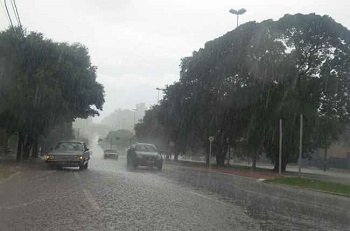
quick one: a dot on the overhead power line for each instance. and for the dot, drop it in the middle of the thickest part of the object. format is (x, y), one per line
(5, 13)
(8, 13)
(14, 18)
(14, 6)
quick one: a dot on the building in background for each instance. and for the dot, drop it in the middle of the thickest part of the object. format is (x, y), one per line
(125, 118)
(83, 129)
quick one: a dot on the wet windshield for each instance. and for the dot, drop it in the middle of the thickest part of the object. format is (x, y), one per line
(69, 147)
(110, 151)
(145, 148)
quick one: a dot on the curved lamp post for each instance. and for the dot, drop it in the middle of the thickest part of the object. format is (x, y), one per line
(238, 12)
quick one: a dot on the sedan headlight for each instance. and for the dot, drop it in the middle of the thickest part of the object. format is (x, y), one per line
(49, 157)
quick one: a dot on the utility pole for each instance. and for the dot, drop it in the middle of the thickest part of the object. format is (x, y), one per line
(211, 139)
(280, 151)
(228, 150)
(300, 144)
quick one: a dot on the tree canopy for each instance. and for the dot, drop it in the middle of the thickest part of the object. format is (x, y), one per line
(239, 85)
(44, 84)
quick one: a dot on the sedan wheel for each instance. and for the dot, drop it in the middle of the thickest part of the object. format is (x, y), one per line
(159, 167)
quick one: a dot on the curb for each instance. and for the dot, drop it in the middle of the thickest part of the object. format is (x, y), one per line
(10, 177)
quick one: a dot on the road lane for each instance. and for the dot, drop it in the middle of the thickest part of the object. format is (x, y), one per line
(108, 197)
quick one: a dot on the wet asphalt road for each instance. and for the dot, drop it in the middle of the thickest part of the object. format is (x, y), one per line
(109, 197)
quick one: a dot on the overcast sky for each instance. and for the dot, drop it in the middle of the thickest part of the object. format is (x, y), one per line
(137, 44)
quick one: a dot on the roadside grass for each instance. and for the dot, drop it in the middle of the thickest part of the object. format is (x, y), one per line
(232, 165)
(248, 168)
(329, 187)
(4, 172)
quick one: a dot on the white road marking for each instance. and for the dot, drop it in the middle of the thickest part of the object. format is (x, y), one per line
(209, 198)
(76, 175)
(88, 196)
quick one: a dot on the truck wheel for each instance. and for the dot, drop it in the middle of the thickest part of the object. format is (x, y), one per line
(86, 165)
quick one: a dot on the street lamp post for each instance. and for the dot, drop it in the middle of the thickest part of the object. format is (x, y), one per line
(238, 13)
(135, 110)
(159, 89)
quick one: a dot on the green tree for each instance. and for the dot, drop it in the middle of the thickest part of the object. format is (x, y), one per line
(239, 85)
(47, 84)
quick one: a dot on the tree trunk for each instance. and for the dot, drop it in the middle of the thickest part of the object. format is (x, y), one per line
(207, 157)
(35, 149)
(229, 157)
(19, 147)
(254, 157)
(283, 166)
(325, 161)
(176, 155)
(220, 159)
(27, 147)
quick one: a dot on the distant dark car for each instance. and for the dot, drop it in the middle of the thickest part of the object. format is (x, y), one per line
(69, 154)
(111, 153)
(141, 154)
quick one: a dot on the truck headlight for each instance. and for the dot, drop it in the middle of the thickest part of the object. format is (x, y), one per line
(81, 158)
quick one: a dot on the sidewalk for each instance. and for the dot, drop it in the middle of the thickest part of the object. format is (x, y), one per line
(333, 175)
(200, 166)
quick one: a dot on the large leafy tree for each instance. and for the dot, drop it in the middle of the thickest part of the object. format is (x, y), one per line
(239, 85)
(45, 84)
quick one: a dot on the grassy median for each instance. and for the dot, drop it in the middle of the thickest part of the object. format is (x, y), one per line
(324, 186)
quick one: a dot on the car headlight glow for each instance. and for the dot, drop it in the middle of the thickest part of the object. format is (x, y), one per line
(49, 157)
(81, 158)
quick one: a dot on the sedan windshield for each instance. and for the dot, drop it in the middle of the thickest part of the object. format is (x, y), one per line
(69, 147)
(110, 151)
(145, 148)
